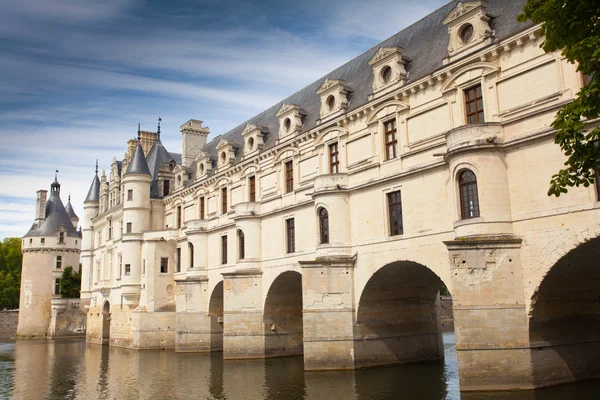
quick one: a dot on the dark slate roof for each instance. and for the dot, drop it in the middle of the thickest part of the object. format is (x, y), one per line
(425, 44)
(157, 157)
(138, 164)
(94, 192)
(70, 210)
(56, 217)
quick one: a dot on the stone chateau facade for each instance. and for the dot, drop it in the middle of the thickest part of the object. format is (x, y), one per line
(52, 243)
(326, 225)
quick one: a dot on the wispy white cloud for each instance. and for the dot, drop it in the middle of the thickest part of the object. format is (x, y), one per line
(77, 75)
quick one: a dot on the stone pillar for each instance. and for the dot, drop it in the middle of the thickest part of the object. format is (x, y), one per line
(193, 333)
(328, 315)
(243, 334)
(490, 320)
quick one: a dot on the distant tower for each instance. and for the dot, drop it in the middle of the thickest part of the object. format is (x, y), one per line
(91, 206)
(51, 244)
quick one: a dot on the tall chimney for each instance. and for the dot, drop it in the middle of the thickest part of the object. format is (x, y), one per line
(193, 140)
(40, 206)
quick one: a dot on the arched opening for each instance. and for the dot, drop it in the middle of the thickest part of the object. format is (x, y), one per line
(283, 316)
(215, 312)
(241, 245)
(469, 199)
(323, 225)
(106, 323)
(191, 254)
(399, 317)
(564, 320)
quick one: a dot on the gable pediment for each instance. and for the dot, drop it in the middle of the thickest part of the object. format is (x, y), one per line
(463, 9)
(384, 53)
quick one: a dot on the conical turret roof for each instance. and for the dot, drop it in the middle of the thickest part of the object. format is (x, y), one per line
(94, 192)
(70, 210)
(138, 164)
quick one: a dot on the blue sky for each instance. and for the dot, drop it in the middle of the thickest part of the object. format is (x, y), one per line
(76, 76)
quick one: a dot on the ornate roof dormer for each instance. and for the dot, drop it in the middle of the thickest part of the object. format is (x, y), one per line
(334, 98)
(254, 138)
(226, 153)
(203, 164)
(389, 70)
(291, 120)
(468, 27)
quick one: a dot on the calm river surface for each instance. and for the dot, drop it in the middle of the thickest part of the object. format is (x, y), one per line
(75, 370)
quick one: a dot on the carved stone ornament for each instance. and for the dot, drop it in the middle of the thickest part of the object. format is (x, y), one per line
(464, 20)
(291, 119)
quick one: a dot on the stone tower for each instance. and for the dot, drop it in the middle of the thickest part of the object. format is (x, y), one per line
(52, 243)
(90, 208)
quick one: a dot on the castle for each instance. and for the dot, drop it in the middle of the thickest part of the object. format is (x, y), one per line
(52, 243)
(326, 225)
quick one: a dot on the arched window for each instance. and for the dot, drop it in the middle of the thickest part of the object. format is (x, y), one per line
(241, 245)
(323, 225)
(191, 250)
(469, 200)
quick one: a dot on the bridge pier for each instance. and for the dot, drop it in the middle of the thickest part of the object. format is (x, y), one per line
(490, 320)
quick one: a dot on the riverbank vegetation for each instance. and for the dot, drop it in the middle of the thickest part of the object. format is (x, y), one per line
(10, 273)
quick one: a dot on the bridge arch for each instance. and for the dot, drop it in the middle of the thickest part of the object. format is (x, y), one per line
(215, 313)
(282, 316)
(398, 316)
(564, 313)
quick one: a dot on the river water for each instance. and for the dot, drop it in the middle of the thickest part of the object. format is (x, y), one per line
(72, 369)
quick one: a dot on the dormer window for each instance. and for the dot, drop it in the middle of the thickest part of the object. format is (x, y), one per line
(334, 98)
(204, 164)
(389, 70)
(226, 153)
(291, 120)
(254, 138)
(469, 29)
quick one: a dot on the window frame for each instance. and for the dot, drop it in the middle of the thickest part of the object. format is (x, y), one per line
(58, 264)
(61, 238)
(178, 260)
(241, 245)
(164, 265)
(191, 254)
(476, 113)
(334, 158)
(129, 194)
(394, 208)
(252, 188)
(290, 235)
(166, 187)
(202, 210)
(323, 227)
(224, 250)
(289, 176)
(224, 200)
(178, 210)
(127, 270)
(56, 286)
(393, 142)
(465, 194)
(128, 227)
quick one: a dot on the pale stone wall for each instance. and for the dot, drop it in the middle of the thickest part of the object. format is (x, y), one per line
(68, 318)
(8, 324)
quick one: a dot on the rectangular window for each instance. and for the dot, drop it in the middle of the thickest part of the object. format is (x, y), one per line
(43, 240)
(144, 266)
(61, 237)
(31, 241)
(57, 287)
(334, 161)
(129, 227)
(224, 249)
(201, 207)
(179, 217)
(58, 262)
(120, 259)
(109, 229)
(391, 142)
(290, 235)
(224, 201)
(127, 269)
(166, 187)
(474, 105)
(395, 213)
(130, 194)
(289, 176)
(252, 186)
(164, 265)
(179, 259)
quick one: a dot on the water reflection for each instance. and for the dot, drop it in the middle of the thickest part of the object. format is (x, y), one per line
(76, 370)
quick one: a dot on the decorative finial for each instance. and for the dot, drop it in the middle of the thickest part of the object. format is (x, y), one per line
(138, 132)
(96, 166)
(56, 175)
(158, 129)
(69, 197)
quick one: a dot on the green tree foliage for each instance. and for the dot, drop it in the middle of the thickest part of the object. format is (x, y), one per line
(573, 26)
(70, 283)
(10, 273)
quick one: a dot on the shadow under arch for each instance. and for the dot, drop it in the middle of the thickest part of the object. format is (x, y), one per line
(283, 316)
(564, 319)
(215, 312)
(106, 322)
(398, 316)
